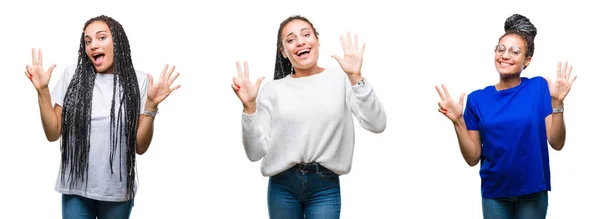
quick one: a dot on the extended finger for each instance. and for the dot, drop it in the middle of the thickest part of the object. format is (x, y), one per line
(349, 41)
(343, 42)
(568, 77)
(164, 71)
(39, 58)
(246, 71)
(172, 79)
(446, 92)
(33, 58)
(239, 69)
(558, 69)
(175, 88)
(564, 70)
(169, 73)
(355, 46)
(442, 96)
(573, 79)
(362, 50)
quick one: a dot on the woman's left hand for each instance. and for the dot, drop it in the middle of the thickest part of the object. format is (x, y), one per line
(561, 87)
(353, 57)
(157, 92)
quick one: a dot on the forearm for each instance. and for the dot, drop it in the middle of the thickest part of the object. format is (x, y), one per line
(145, 131)
(48, 115)
(469, 150)
(557, 134)
(371, 114)
(252, 137)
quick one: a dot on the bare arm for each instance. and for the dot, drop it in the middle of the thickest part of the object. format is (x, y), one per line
(469, 142)
(51, 117)
(145, 131)
(555, 129)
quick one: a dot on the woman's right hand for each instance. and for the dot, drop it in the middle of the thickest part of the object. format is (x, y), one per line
(35, 72)
(451, 109)
(245, 90)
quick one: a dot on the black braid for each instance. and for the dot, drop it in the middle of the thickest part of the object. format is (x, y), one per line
(283, 66)
(77, 111)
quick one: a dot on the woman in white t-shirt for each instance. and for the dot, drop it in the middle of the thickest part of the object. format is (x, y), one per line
(301, 124)
(103, 113)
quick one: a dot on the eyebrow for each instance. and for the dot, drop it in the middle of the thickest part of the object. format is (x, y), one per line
(97, 32)
(303, 29)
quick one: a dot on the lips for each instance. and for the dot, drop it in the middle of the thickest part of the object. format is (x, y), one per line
(303, 53)
(98, 58)
(505, 64)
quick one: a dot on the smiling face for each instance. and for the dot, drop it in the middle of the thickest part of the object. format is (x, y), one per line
(511, 55)
(99, 46)
(300, 44)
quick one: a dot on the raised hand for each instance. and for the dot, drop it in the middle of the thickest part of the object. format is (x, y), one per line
(353, 57)
(244, 89)
(157, 92)
(561, 87)
(35, 72)
(451, 109)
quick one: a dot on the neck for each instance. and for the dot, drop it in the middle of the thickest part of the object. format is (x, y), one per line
(108, 71)
(307, 72)
(509, 82)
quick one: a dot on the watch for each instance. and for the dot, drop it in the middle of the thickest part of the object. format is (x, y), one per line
(361, 82)
(558, 109)
(150, 113)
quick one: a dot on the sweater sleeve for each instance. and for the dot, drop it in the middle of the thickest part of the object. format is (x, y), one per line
(366, 107)
(256, 128)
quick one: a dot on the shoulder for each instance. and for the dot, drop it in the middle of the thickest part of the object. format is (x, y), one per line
(69, 71)
(537, 80)
(479, 93)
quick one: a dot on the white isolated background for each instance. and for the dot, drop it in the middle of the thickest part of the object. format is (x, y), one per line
(196, 166)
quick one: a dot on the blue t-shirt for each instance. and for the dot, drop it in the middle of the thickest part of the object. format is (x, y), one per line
(512, 127)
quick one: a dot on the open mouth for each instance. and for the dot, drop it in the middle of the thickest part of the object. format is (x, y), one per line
(303, 53)
(505, 64)
(98, 58)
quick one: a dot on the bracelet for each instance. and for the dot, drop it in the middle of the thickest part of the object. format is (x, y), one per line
(150, 113)
(558, 109)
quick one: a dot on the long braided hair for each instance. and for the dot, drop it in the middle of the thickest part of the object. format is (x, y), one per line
(77, 111)
(283, 66)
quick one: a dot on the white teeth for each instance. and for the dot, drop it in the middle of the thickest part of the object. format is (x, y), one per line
(301, 51)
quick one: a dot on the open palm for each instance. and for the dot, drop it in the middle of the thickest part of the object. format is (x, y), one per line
(244, 89)
(353, 57)
(35, 72)
(562, 85)
(159, 90)
(453, 110)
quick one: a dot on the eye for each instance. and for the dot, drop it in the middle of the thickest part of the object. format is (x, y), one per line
(87, 42)
(501, 50)
(290, 40)
(307, 35)
(516, 53)
(102, 38)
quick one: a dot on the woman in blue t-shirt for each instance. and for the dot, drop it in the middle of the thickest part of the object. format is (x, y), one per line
(508, 126)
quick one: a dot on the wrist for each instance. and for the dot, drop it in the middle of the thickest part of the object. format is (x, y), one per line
(42, 92)
(557, 103)
(150, 106)
(355, 78)
(250, 108)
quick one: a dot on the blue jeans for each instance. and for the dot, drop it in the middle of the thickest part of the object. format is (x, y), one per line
(78, 207)
(296, 194)
(532, 206)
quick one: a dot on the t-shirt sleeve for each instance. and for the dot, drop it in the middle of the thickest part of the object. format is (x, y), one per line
(546, 98)
(143, 85)
(60, 89)
(470, 114)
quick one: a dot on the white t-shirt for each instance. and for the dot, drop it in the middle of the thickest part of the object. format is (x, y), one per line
(101, 184)
(309, 119)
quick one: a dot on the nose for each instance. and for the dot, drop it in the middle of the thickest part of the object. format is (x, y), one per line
(300, 42)
(94, 45)
(506, 54)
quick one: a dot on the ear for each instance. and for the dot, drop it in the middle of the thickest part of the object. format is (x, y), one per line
(282, 50)
(527, 61)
